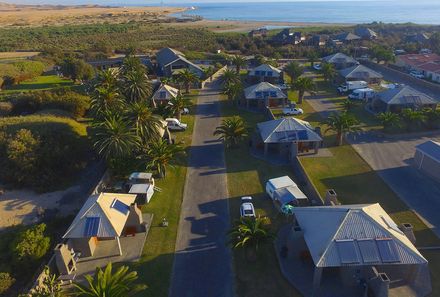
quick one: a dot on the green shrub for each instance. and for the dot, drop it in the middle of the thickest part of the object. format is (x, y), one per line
(6, 281)
(31, 244)
(5, 108)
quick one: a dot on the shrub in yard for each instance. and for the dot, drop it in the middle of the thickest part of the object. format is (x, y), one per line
(5, 108)
(6, 281)
(31, 244)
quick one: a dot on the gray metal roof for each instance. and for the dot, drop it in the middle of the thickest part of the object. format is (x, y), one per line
(339, 58)
(405, 95)
(365, 32)
(360, 72)
(168, 55)
(347, 36)
(355, 235)
(251, 92)
(287, 130)
(430, 148)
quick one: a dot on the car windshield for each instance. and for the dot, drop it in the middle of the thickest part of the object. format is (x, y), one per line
(248, 211)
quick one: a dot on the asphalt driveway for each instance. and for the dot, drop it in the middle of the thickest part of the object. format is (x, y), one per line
(202, 263)
(393, 159)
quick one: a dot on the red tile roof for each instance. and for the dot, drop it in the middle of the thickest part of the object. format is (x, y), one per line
(426, 62)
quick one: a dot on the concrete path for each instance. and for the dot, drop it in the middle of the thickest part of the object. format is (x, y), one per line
(393, 159)
(202, 263)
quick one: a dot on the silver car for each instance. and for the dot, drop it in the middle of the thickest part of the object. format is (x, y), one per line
(247, 208)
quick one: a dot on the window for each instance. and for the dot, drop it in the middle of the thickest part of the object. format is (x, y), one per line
(120, 206)
(266, 94)
(258, 94)
(273, 94)
(263, 73)
(269, 73)
(162, 94)
(91, 227)
(257, 72)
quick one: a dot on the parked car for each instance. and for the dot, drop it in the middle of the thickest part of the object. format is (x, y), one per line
(417, 74)
(362, 94)
(185, 111)
(247, 208)
(174, 124)
(292, 111)
(352, 85)
(317, 67)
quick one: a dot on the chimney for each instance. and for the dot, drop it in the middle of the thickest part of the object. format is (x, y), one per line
(331, 198)
(408, 230)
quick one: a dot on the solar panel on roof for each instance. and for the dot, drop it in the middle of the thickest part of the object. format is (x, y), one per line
(302, 135)
(347, 251)
(121, 207)
(388, 250)
(368, 250)
(92, 226)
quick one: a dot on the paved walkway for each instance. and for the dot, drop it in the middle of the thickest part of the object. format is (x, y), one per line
(202, 263)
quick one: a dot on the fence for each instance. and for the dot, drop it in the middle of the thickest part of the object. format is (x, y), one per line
(306, 183)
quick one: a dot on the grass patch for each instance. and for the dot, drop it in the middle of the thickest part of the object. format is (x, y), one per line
(156, 264)
(247, 175)
(44, 82)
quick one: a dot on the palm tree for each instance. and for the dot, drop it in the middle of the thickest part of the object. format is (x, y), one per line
(147, 125)
(176, 105)
(136, 86)
(107, 283)
(328, 71)
(348, 104)
(232, 131)
(114, 138)
(160, 154)
(250, 233)
(187, 77)
(106, 99)
(302, 85)
(229, 77)
(312, 56)
(207, 72)
(294, 70)
(233, 90)
(107, 78)
(432, 118)
(341, 124)
(413, 118)
(238, 62)
(388, 119)
(132, 64)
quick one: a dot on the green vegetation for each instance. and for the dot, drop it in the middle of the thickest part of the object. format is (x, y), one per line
(34, 149)
(39, 83)
(16, 72)
(232, 131)
(342, 123)
(160, 155)
(104, 283)
(302, 85)
(6, 281)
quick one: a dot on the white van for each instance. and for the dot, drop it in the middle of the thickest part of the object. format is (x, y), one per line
(174, 124)
(352, 85)
(362, 94)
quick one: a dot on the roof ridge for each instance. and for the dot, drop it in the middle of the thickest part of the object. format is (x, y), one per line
(107, 215)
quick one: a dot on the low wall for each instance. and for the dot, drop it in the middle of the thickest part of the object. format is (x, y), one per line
(306, 183)
(408, 79)
(212, 77)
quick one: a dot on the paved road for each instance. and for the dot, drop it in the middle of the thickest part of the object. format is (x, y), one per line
(392, 159)
(202, 263)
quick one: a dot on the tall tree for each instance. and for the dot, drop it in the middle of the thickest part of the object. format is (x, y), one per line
(328, 71)
(250, 233)
(342, 123)
(294, 70)
(176, 105)
(107, 78)
(115, 138)
(233, 90)
(228, 77)
(232, 131)
(238, 62)
(187, 77)
(136, 86)
(312, 56)
(413, 118)
(106, 99)
(121, 283)
(147, 125)
(302, 85)
(160, 154)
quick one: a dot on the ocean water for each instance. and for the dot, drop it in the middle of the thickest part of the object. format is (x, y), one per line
(389, 11)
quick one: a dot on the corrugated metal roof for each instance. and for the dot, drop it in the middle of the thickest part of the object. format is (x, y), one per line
(266, 67)
(339, 58)
(363, 225)
(287, 130)
(405, 95)
(360, 71)
(251, 92)
(430, 148)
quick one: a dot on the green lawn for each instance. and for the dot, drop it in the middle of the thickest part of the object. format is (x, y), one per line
(247, 175)
(155, 266)
(43, 82)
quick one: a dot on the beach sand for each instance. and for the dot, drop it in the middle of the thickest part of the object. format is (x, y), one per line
(31, 15)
